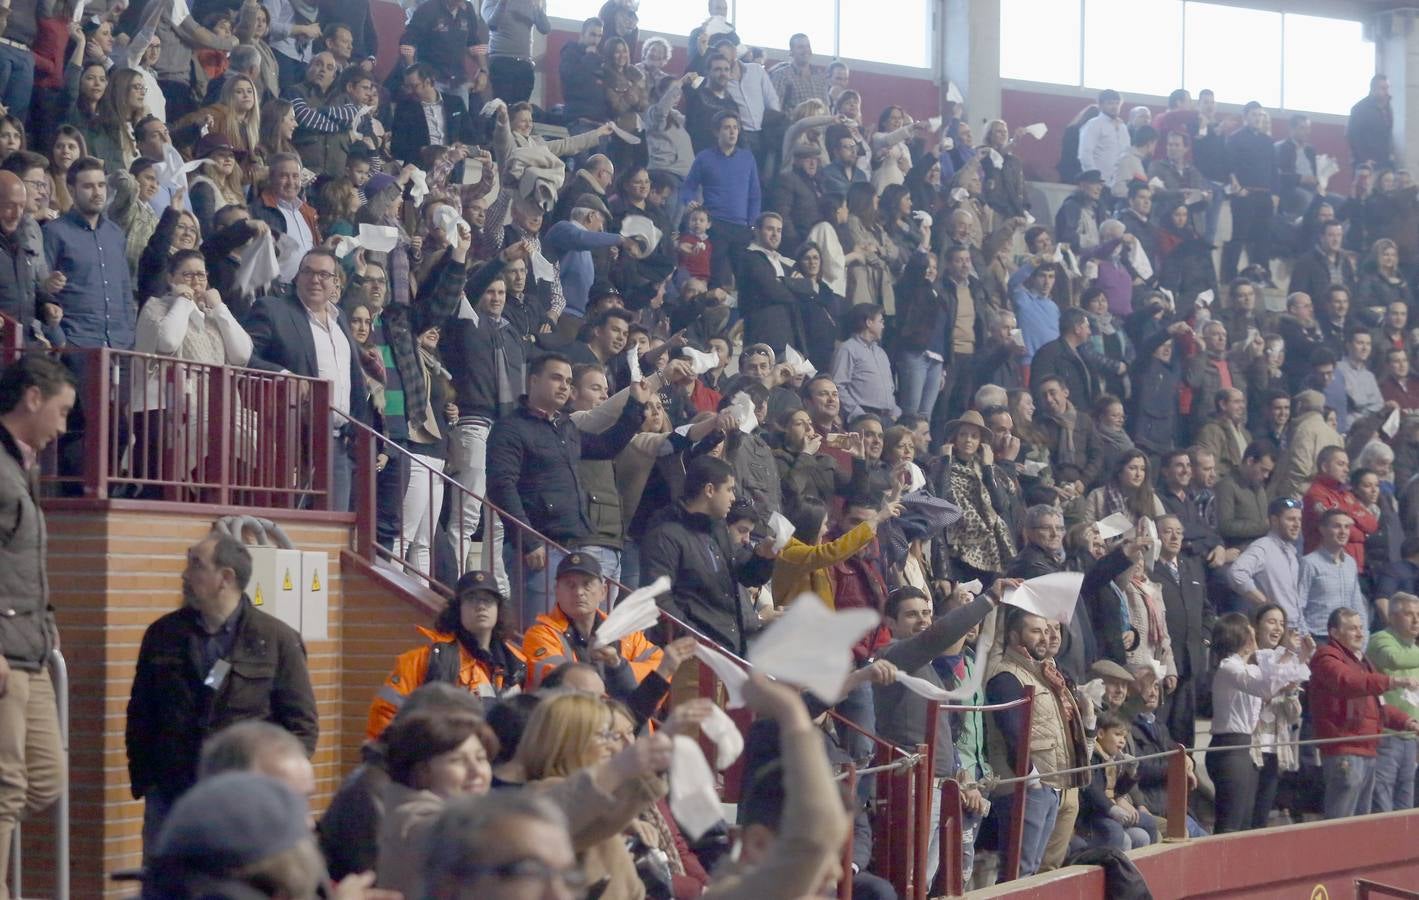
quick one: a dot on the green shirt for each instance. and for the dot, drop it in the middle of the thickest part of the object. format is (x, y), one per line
(1395, 656)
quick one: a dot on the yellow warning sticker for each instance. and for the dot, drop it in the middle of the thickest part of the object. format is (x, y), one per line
(315, 580)
(287, 585)
(258, 600)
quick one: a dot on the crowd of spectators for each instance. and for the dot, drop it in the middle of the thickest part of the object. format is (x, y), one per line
(685, 307)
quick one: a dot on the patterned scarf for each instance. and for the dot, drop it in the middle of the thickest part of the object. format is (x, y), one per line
(1055, 679)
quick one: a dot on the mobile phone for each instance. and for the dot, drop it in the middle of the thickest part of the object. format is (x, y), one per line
(839, 441)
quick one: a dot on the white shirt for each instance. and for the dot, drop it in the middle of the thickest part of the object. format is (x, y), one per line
(297, 228)
(1237, 690)
(433, 118)
(332, 356)
(1103, 142)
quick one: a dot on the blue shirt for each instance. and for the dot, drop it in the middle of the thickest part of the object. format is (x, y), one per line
(729, 185)
(572, 242)
(1327, 585)
(1038, 317)
(97, 299)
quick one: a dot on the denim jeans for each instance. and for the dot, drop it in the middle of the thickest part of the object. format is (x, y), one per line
(156, 806)
(1394, 774)
(423, 502)
(918, 383)
(468, 465)
(538, 588)
(342, 473)
(1349, 784)
(16, 80)
(1041, 809)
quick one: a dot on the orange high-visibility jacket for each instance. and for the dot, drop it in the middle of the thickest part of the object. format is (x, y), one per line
(412, 667)
(553, 640)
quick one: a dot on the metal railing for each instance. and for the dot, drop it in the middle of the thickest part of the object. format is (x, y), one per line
(162, 428)
(59, 674)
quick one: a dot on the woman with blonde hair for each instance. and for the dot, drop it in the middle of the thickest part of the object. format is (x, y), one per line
(1381, 280)
(567, 750)
(807, 122)
(219, 182)
(242, 122)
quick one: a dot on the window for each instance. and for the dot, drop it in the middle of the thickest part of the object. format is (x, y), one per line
(889, 31)
(671, 18)
(1235, 52)
(1282, 60)
(577, 10)
(1119, 54)
(770, 25)
(1328, 64)
(1039, 41)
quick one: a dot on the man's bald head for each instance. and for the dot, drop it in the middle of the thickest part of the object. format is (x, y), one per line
(13, 200)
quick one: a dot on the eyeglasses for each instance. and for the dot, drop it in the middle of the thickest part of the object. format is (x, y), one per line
(319, 276)
(1049, 529)
(190, 276)
(38, 184)
(528, 873)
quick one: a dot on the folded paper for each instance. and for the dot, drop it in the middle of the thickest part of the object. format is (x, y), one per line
(642, 228)
(1052, 596)
(1280, 667)
(1113, 526)
(972, 587)
(624, 135)
(1206, 298)
(725, 735)
(1391, 424)
(1037, 131)
(995, 158)
(798, 362)
(730, 674)
(1148, 531)
(700, 361)
(633, 363)
(693, 800)
(447, 220)
(542, 268)
(934, 123)
(637, 611)
(418, 186)
(811, 645)
(782, 530)
(374, 238)
(953, 93)
(1139, 260)
(743, 408)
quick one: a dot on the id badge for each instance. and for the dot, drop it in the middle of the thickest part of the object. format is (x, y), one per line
(217, 675)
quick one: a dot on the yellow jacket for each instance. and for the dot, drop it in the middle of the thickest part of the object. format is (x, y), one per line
(804, 567)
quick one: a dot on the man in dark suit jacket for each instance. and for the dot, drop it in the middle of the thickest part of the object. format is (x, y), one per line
(769, 295)
(1313, 272)
(1061, 359)
(1189, 616)
(284, 330)
(412, 113)
(1296, 163)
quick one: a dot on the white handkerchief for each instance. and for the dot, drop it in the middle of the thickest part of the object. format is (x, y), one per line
(79, 10)
(918, 479)
(1033, 467)
(1113, 526)
(1411, 696)
(1280, 667)
(729, 673)
(1052, 596)
(1206, 298)
(923, 218)
(1391, 424)
(1160, 671)
(782, 529)
(446, 219)
(376, 238)
(288, 257)
(1147, 529)
(960, 194)
(973, 586)
(995, 158)
(633, 363)
(472, 171)
(180, 12)
(1191, 195)
(934, 123)
(811, 645)
(1094, 690)
(948, 144)
(1017, 336)
(492, 106)
(697, 81)
(1029, 219)
(624, 135)
(542, 268)
(643, 228)
(924, 688)
(953, 93)
(419, 186)
(797, 362)
(728, 742)
(258, 267)
(1037, 130)
(637, 611)
(743, 408)
(693, 800)
(1156, 183)
(700, 361)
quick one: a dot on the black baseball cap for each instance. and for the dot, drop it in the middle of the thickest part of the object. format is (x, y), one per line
(584, 563)
(470, 582)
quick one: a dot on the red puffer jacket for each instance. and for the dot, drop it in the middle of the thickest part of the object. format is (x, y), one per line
(1327, 493)
(1345, 701)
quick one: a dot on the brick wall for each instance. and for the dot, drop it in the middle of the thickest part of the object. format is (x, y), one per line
(112, 572)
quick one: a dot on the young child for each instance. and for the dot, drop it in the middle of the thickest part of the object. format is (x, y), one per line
(694, 246)
(214, 62)
(1105, 809)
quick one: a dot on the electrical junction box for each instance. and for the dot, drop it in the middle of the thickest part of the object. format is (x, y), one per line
(276, 582)
(315, 596)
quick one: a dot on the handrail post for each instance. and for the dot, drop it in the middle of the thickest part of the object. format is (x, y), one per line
(1016, 835)
(364, 475)
(97, 424)
(1177, 795)
(223, 429)
(324, 447)
(951, 838)
(921, 820)
(845, 883)
(59, 673)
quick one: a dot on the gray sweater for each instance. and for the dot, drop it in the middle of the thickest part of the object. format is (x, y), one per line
(510, 24)
(1241, 510)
